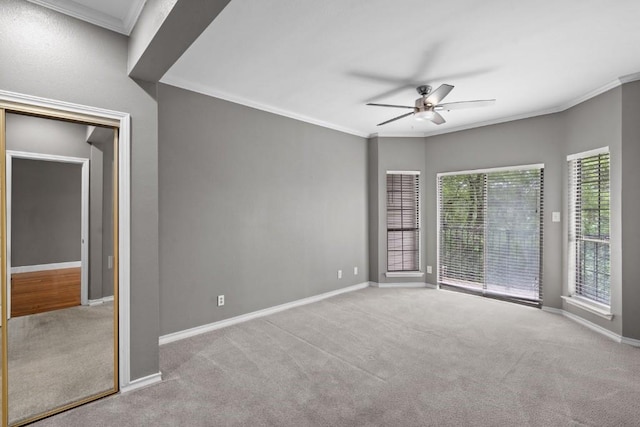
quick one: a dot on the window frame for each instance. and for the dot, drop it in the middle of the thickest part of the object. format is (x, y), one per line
(575, 297)
(405, 273)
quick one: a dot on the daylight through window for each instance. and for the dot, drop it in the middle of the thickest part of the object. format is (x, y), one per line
(589, 233)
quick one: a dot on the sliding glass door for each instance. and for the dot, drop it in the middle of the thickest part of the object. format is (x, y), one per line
(490, 231)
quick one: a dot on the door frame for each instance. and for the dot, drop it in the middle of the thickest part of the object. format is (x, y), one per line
(84, 209)
(43, 107)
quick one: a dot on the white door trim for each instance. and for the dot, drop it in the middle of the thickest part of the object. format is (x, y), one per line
(124, 214)
(84, 222)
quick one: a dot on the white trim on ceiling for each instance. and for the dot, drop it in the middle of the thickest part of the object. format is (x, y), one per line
(132, 17)
(206, 90)
(84, 13)
(558, 109)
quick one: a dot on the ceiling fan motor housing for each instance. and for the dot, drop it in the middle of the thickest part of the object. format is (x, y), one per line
(421, 104)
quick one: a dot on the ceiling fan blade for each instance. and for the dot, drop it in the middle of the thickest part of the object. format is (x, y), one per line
(465, 104)
(437, 118)
(438, 95)
(390, 105)
(396, 118)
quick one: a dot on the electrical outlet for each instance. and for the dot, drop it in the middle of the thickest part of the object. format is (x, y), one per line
(429, 269)
(339, 274)
(109, 262)
(220, 300)
(355, 271)
(555, 217)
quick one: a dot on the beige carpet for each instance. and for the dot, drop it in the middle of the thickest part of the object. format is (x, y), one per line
(387, 357)
(59, 357)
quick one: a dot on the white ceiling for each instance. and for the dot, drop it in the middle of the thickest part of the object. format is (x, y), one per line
(321, 61)
(116, 15)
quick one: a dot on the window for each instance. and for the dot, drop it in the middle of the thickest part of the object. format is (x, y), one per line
(589, 213)
(403, 221)
(490, 231)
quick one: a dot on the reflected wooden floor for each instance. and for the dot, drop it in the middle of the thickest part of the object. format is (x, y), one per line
(41, 291)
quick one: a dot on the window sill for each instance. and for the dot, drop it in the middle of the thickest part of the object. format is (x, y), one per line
(592, 307)
(404, 274)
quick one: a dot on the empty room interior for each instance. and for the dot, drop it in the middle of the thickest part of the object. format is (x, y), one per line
(336, 213)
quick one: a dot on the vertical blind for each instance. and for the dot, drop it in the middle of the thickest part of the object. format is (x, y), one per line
(403, 222)
(490, 231)
(589, 235)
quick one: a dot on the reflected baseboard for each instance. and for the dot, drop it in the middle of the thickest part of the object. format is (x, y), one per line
(45, 267)
(142, 382)
(99, 301)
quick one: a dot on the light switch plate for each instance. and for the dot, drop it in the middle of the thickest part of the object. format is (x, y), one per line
(555, 216)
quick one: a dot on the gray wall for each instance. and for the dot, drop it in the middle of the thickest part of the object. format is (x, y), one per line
(95, 223)
(400, 154)
(258, 207)
(583, 133)
(373, 201)
(46, 211)
(54, 56)
(630, 210)
(46, 136)
(522, 142)
(101, 219)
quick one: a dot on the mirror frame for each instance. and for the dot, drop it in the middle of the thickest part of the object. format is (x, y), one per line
(120, 123)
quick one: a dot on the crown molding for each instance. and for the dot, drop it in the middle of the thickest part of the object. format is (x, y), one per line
(206, 90)
(132, 17)
(558, 109)
(101, 19)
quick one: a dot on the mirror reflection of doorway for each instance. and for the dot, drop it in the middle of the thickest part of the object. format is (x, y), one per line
(61, 309)
(47, 205)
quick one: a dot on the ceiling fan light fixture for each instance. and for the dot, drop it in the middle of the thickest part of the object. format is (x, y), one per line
(424, 115)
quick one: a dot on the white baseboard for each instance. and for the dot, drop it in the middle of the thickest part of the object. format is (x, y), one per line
(553, 310)
(142, 382)
(99, 301)
(45, 267)
(631, 341)
(176, 336)
(596, 328)
(403, 285)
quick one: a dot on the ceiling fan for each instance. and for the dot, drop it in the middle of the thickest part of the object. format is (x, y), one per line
(427, 106)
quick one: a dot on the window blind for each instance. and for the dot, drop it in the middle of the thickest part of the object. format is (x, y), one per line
(589, 193)
(490, 232)
(462, 212)
(403, 222)
(513, 239)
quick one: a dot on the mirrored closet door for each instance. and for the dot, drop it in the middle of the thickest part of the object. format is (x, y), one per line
(59, 263)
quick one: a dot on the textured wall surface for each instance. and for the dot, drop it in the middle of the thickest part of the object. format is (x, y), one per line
(255, 206)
